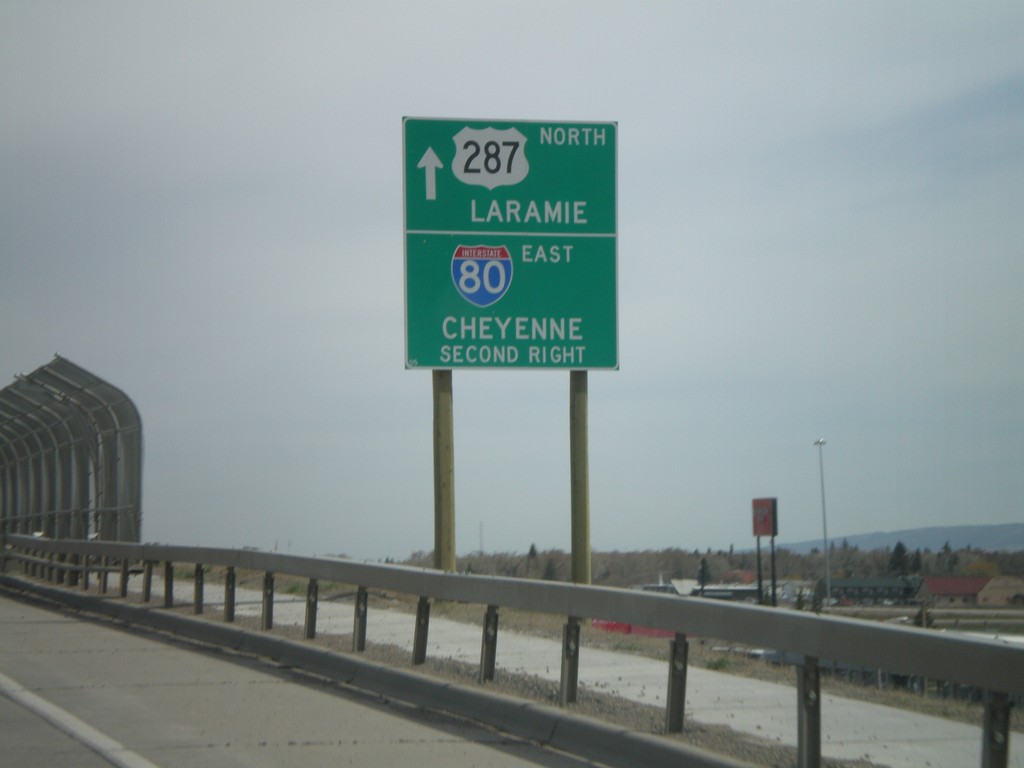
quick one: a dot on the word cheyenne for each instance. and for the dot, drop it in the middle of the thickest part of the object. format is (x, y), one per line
(548, 335)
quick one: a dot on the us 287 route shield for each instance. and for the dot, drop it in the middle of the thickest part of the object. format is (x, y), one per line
(510, 244)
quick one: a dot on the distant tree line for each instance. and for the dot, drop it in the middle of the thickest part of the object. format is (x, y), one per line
(628, 569)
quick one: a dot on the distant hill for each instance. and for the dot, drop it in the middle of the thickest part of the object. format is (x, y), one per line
(1008, 538)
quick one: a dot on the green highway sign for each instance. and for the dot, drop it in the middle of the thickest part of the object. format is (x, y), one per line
(510, 244)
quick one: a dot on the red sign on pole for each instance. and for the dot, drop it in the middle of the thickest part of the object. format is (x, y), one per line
(766, 519)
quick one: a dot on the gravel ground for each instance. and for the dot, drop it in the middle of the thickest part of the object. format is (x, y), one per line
(613, 709)
(734, 660)
(591, 703)
(622, 712)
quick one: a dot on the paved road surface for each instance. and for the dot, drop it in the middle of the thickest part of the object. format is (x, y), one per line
(850, 729)
(78, 694)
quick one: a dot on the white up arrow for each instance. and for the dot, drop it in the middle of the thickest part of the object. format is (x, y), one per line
(430, 163)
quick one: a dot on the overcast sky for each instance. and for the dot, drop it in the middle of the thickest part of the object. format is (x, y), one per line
(821, 234)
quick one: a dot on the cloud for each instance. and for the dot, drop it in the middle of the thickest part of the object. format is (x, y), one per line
(818, 234)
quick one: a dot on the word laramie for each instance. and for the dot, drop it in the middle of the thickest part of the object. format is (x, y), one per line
(512, 328)
(529, 212)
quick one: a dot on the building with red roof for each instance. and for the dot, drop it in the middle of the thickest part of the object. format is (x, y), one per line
(950, 590)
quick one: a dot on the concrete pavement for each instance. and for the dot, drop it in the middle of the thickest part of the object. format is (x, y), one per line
(850, 729)
(82, 694)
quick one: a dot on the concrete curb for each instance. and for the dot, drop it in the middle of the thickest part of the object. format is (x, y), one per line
(556, 728)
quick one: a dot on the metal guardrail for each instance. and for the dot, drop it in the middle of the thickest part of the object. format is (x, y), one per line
(995, 667)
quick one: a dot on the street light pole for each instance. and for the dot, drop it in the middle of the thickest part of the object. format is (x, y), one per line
(820, 442)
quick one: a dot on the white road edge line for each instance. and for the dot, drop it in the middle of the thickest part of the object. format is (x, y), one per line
(103, 745)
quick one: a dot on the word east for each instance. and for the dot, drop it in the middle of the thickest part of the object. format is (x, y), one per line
(552, 254)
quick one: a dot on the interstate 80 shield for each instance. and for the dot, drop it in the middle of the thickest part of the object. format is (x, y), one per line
(482, 273)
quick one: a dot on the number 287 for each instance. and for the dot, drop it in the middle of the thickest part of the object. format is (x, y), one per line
(489, 157)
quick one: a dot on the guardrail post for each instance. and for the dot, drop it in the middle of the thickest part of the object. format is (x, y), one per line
(267, 619)
(147, 581)
(679, 651)
(419, 641)
(168, 584)
(104, 571)
(808, 691)
(995, 738)
(570, 661)
(359, 621)
(197, 590)
(312, 593)
(489, 644)
(72, 578)
(229, 594)
(123, 586)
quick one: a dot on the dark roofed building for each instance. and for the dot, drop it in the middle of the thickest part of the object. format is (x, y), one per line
(898, 590)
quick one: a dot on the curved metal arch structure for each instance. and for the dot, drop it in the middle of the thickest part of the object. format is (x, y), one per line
(70, 456)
